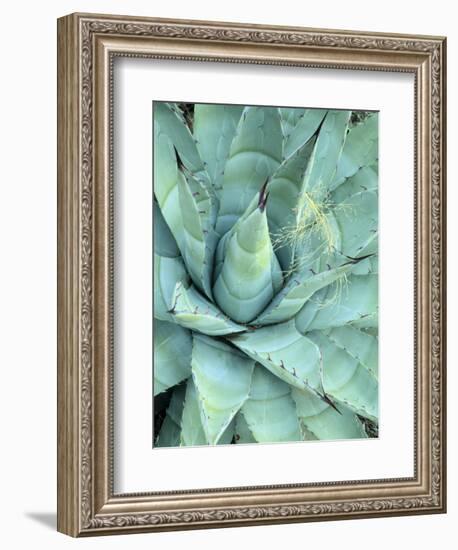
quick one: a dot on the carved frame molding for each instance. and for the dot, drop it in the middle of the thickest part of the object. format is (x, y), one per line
(87, 45)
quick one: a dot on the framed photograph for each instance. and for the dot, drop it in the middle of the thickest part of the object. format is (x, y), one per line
(251, 290)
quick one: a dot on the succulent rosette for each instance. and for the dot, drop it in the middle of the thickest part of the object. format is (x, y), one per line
(265, 274)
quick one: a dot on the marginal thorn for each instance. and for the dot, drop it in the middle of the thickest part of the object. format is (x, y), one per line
(329, 401)
(263, 195)
(179, 161)
(360, 257)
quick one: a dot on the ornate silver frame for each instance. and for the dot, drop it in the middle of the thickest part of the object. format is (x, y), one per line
(87, 45)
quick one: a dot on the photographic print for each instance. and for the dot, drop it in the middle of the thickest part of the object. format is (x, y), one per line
(265, 274)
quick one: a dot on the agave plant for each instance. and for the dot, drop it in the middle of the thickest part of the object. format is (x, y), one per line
(265, 274)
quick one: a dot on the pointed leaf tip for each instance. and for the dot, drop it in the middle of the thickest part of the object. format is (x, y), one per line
(180, 164)
(263, 196)
(330, 402)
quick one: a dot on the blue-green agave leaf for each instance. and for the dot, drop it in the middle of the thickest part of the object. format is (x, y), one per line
(314, 248)
(312, 307)
(170, 120)
(167, 273)
(321, 421)
(286, 353)
(357, 220)
(326, 154)
(172, 355)
(345, 379)
(198, 212)
(222, 243)
(270, 412)
(313, 226)
(361, 149)
(353, 302)
(373, 331)
(359, 344)
(166, 183)
(243, 433)
(349, 231)
(214, 130)
(289, 117)
(284, 188)
(164, 243)
(222, 377)
(250, 274)
(191, 310)
(170, 432)
(366, 266)
(192, 431)
(220, 254)
(300, 287)
(303, 130)
(228, 435)
(255, 153)
(365, 179)
(366, 321)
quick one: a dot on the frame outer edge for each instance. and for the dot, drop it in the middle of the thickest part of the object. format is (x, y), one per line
(443, 281)
(224, 24)
(76, 420)
(68, 374)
